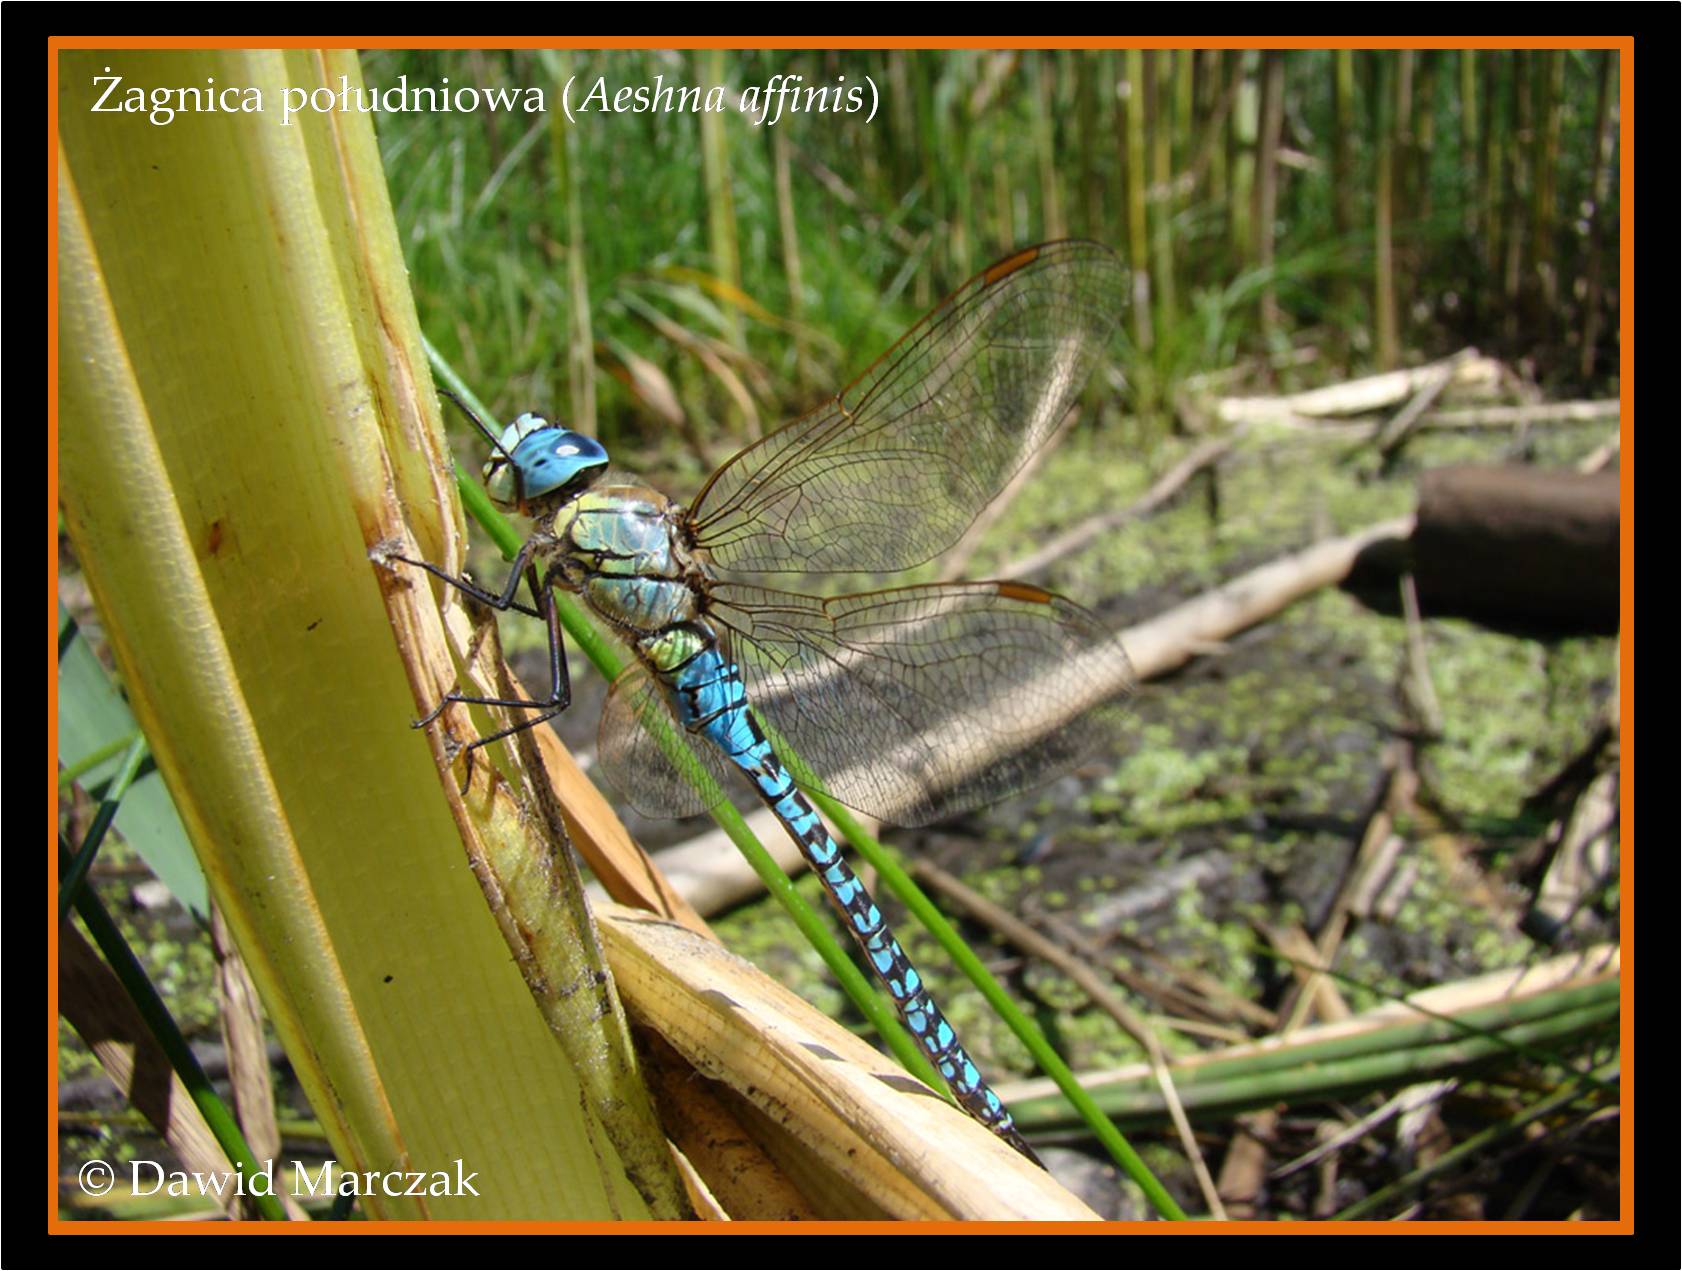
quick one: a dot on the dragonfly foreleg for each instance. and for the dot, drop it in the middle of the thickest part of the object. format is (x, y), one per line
(502, 602)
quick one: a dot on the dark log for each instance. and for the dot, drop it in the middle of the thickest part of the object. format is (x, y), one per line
(1519, 545)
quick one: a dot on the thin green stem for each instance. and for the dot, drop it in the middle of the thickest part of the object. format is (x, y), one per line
(1050, 1062)
(88, 763)
(71, 884)
(1339, 1068)
(1469, 1024)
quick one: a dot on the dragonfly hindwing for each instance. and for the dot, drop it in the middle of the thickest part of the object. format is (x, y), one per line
(918, 703)
(660, 768)
(896, 466)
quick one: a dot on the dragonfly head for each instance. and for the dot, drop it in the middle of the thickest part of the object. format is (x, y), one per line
(537, 462)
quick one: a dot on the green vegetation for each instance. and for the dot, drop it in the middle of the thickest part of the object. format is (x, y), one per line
(734, 271)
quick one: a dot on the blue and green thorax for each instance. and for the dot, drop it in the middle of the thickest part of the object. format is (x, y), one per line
(619, 547)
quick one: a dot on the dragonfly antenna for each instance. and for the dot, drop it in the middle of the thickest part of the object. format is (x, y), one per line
(478, 423)
(496, 442)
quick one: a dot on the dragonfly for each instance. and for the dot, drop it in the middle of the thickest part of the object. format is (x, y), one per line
(909, 703)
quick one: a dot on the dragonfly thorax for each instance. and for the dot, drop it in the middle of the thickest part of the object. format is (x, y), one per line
(537, 462)
(618, 547)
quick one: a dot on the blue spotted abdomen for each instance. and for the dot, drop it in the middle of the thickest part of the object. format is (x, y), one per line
(709, 698)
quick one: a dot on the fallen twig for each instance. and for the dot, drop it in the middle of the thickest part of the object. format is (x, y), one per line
(1179, 1007)
(1371, 863)
(1394, 434)
(1360, 396)
(1583, 858)
(1418, 691)
(1403, 1101)
(1521, 416)
(1172, 639)
(1600, 456)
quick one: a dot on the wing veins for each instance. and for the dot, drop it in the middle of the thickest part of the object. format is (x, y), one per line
(965, 379)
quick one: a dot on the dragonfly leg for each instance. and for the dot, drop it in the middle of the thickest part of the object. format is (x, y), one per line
(501, 602)
(560, 683)
(560, 686)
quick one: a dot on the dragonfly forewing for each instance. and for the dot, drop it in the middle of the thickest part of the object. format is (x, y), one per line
(897, 466)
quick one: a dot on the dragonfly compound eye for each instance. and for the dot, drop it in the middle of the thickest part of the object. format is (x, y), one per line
(536, 458)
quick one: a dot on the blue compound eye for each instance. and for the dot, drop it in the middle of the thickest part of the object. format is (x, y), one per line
(546, 458)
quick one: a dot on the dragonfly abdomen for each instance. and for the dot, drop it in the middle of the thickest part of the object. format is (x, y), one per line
(711, 699)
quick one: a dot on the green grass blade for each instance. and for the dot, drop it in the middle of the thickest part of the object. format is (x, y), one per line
(95, 726)
(77, 870)
(133, 977)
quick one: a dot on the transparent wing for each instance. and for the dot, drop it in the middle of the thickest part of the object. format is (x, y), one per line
(893, 470)
(638, 766)
(918, 703)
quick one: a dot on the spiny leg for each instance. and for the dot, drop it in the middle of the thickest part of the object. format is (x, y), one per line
(560, 681)
(501, 602)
